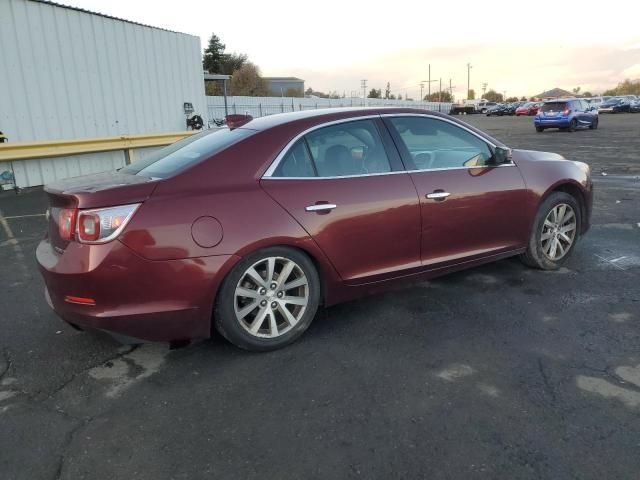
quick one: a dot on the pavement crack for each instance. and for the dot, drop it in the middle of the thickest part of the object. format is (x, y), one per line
(7, 364)
(65, 446)
(86, 369)
(547, 383)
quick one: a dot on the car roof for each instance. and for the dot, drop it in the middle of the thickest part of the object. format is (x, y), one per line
(327, 114)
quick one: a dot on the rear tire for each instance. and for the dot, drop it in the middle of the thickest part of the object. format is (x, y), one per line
(573, 124)
(279, 315)
(540, 251)
(594, 125)
(539, 129)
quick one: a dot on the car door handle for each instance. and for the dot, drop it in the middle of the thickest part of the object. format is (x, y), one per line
(320, 207)
(438, 195)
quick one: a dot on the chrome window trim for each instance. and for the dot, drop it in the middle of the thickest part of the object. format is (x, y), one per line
(274, 165)
(268, 175)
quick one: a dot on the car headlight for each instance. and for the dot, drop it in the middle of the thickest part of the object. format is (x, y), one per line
(584, 167)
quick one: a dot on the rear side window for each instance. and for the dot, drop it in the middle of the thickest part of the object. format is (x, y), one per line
(345, 149)
(186, 152)
(554, 107)
(296, 163)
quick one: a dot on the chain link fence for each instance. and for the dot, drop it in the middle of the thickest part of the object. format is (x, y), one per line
(262, 106)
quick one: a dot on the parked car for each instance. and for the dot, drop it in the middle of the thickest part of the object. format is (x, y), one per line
(595, 101)
(634, 106)
(497, 110)
(615, 105)
(529, 108)
(568, 115)
(483, 106)
(248, 230)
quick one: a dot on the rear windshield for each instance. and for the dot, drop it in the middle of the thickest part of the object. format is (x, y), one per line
(186, 152)
(554, 107)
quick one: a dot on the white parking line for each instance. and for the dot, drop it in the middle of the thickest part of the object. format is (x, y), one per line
(17, 249)
(26, 216)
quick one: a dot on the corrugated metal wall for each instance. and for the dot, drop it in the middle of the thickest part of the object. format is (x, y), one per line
(68, 74)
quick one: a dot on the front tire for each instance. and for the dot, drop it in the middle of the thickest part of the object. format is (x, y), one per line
(573, 124)
(555, 232)
(268, 299)
(539, 129)
(594, 125)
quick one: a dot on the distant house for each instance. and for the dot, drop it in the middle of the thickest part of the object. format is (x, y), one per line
(554, 94)
(285, 86)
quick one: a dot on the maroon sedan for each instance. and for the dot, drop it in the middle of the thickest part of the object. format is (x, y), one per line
(249, 230)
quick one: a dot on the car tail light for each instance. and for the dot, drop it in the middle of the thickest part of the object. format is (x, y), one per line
(67, 222)
(103, 224)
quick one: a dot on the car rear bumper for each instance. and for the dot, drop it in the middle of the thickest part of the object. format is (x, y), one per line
(607, 110)
(560, 122)
(147, 300)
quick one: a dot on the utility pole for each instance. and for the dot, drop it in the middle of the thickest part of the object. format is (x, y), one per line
(440, 91)
(363, 85)
(421, 89)
(469, 67)
(484, 88)
(429, 94)
(504, 95)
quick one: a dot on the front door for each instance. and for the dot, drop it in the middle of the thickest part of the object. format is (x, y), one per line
(348, 191)
(469, 208)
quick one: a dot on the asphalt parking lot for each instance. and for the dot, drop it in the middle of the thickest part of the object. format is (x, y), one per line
(496, 372)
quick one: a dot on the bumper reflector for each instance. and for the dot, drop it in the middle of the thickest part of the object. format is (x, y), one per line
(79, 300)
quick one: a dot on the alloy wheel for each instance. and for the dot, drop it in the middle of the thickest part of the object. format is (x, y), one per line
(558, 231)
(271, 297)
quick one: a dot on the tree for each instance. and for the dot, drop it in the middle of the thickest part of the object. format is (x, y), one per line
(443, 96)
(211, 60)
(387, 91)
(472, 94)
(511, 99)
(493, 96)
(392, 97)
(231, 62)
(576, 90)
(587, 94)
(628, 87)
(399, 96)
(308, 91)
(373, 93)
(247, 81)
(293, 92)
(523, 99)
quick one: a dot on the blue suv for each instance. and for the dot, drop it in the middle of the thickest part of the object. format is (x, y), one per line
(567, 115)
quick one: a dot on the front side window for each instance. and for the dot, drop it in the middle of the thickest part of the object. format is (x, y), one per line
(435, 144)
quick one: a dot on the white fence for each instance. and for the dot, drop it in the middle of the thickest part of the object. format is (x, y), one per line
(261, 106)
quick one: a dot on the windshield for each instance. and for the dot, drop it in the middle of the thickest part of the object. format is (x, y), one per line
(613, 101)
(186, 152)
(554, 107)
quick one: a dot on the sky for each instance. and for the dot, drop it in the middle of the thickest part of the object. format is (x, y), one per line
(518, 47)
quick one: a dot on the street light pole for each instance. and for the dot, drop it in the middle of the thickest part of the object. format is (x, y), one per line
(429, 94)
(469, 67)
(363, 85)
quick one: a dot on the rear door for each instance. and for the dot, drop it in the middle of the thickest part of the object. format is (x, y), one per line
(348, 190)
(469, 208)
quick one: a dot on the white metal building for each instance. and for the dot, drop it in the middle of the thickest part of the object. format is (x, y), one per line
(67, 73)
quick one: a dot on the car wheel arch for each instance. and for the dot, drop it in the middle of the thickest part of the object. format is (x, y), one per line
(571, 188)
(324, 276)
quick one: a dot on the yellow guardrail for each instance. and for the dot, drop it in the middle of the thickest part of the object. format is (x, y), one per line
(63, 148)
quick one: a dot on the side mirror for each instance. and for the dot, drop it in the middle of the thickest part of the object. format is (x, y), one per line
(501, 155)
